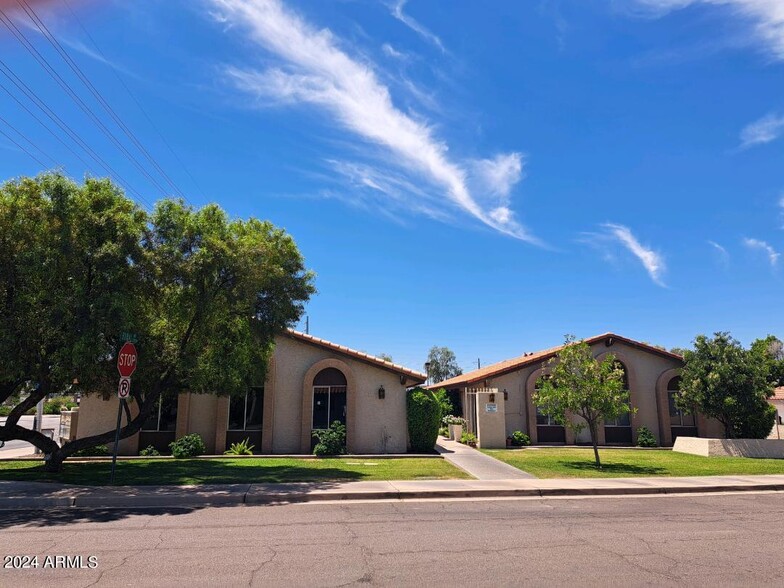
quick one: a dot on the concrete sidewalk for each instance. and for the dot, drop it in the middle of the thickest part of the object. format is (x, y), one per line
(476, 463)
(42, 495)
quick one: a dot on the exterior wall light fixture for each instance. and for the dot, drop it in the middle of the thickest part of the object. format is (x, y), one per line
(506, 394)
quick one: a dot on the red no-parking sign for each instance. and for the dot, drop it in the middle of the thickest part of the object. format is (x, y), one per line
(127, 359)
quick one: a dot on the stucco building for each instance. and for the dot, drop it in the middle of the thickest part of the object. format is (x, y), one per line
(310, 383)
(652, 377)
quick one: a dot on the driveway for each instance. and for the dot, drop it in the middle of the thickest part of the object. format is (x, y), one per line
(21, 448)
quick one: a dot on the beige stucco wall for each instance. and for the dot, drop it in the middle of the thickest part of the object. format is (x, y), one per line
(647, 372)
(379, 426)
(202, 418)
(97, 416)
(375, 425)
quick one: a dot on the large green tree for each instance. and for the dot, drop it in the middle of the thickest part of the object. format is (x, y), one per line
(442, 364)
(576, 383)
(724, 381)
(203, 295)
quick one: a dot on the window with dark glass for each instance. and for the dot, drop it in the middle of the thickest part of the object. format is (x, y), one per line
(165, 417)
(678, 418)
(542, 418)
(329, 398)
(625, 419)
(247, 412)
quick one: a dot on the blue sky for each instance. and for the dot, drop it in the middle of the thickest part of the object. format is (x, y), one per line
(485, 176)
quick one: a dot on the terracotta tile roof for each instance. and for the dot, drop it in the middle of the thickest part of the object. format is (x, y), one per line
(418, 377)
(778, 394)
(511, 365)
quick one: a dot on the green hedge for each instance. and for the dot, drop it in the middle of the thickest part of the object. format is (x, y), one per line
(424, 419)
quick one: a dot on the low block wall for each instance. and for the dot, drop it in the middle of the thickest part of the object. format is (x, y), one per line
(760, 448)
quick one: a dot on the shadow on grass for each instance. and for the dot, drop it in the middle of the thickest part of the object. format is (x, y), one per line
(615, 468)
(179, 472)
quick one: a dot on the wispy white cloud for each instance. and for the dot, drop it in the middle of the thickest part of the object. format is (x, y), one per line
(397, 11)
(315, 69)
(768, 250)
(724, 255)
(652, 261)
(766, 18)
(765, 130)
(390, 51)
(781, 210)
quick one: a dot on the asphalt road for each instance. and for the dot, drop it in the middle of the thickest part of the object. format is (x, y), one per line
(712, 540)
(18, 448)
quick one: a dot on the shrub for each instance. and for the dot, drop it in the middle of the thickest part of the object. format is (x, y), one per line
(424, 417)
(444, 401)
(57, 403)
(645, 438)
(759, 423)
(97, 451)
(519, 439)
(331, 441)
(242, 448)
(188, 446)
(453, 420)
(443, 432)
(149, 451)
(468, 439)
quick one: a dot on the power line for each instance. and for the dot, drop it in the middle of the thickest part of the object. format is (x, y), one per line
(95, 92)
(33, 145)
(10, 138)
(8, 73)
(45, 126)
(133, 97)
(75, 97)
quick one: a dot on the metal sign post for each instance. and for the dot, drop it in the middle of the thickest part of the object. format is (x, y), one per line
(126, 364)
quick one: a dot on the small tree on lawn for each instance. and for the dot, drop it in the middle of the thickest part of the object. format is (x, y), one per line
(579, 384)
(724, 381)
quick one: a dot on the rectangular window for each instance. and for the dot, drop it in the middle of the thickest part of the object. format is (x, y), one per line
(165, 418)
(246, 412)
(544, 419)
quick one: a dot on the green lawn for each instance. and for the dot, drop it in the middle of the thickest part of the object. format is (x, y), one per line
(622, 463)
(227, 471)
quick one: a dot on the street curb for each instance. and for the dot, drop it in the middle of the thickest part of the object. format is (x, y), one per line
(197, 499)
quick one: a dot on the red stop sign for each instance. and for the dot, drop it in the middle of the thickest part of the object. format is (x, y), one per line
(126, 359)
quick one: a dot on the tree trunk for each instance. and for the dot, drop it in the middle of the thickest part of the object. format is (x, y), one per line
(595, 440)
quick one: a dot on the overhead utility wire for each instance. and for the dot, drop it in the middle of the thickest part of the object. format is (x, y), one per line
(95, 92)
(75, 97)
(33, 145)
(10, 138)
(44, 125)
(133, 97)
(66, 129)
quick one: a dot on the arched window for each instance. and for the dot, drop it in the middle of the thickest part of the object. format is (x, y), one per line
(329, 398)
(678, 418)
(625, 419)
(547, 428)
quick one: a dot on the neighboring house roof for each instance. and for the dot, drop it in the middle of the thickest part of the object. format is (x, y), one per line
(418, 377)
(537, 357)
(778, 394)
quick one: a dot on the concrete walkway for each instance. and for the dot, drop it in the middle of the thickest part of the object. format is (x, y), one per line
(43, 495)
(476, 463)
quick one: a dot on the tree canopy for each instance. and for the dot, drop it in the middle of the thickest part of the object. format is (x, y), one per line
(576, 383)
(80, 265)
(442, 364)
(724, 381)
